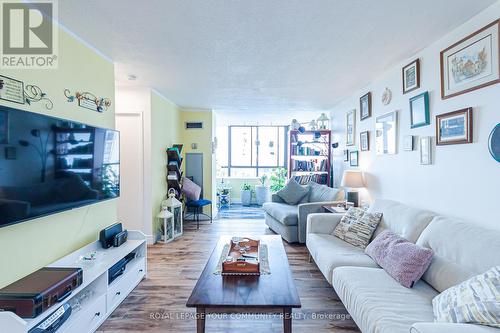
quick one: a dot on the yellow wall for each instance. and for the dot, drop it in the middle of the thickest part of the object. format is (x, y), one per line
(28, 246)
(202, 137)
(164, 133)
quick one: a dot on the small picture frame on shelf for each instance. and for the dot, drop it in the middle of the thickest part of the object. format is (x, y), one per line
(346, 155)
(426, 150)
(419, 110)
(365, 106)
(411, 76)
(364, 140)
(454, 127)
(408, 143)
(354, 158)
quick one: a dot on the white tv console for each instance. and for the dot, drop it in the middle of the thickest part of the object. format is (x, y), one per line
(101, 298)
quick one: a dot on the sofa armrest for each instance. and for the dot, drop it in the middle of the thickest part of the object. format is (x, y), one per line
(276, 198)
(450, 328)
(309, 208)
(322, 223)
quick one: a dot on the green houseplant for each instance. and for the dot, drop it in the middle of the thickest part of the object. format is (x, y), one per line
(278, 179)
(246, 194)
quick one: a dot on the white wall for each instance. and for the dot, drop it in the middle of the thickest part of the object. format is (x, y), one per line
(464, 180)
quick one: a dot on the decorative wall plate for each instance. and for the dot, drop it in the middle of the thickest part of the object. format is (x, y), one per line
(387, 96)
(494, 143)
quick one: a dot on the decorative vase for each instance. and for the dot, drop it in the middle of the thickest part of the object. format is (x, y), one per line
(262, 194)
(246, 197)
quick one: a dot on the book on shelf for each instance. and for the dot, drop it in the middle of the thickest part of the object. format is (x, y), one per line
(313, 165)
(317, 178)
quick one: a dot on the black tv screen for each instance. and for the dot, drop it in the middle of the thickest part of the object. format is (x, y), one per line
(49, 165)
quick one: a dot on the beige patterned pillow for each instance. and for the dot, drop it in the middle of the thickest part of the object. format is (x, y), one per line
(475, 301)
(357, 227)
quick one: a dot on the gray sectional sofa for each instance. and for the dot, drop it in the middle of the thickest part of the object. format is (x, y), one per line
(290, 220)
(379, 304)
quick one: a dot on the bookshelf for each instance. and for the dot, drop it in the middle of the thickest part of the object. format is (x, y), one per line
(310, 156)
(174, 171)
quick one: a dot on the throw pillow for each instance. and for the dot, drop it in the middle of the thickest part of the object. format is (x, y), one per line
(404, 261)
(293, 192)
(322, 193)
(191, 189)
(474, 301)
(357, 227)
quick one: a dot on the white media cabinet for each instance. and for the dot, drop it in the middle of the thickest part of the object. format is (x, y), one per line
(102, 298)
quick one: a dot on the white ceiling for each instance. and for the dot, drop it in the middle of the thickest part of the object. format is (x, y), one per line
(260, 55)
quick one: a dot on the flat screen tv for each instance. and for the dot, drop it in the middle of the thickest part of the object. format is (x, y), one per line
(49, 165)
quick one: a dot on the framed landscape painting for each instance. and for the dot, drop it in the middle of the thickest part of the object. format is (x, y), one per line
(471, 63)
(454, 127)
(411, 76)
(419, 110)
(350, 127)
(365, 106)
(364, 141)
(354, 158)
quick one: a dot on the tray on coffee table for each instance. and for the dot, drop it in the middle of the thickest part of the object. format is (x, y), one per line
(242, 257)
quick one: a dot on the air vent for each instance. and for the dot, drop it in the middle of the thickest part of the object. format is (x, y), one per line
(194, 125)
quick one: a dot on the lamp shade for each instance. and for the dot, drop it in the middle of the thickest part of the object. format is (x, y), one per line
(352, 179)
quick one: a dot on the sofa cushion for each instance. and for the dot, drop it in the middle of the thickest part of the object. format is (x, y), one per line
(293, 192)
(378, 303)
(357, 227)
(461, 251)
(286, 214)
(402, 219)
(322, 193)
(330, 252)
(404, 261)
(475, 301)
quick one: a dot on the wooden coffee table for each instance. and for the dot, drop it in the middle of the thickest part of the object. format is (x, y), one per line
(272, 293)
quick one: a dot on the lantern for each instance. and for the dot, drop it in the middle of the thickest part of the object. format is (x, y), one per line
(323, 121)
(174, 206)
(166, 223)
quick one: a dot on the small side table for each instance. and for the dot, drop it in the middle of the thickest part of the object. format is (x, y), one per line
(334, 209)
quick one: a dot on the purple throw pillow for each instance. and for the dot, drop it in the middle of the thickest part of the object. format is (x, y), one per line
(191, 189)
(404, 261)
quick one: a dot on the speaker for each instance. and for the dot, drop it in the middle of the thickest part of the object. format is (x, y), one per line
(107, 235)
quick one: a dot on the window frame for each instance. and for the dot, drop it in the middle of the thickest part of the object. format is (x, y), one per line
(281, 141)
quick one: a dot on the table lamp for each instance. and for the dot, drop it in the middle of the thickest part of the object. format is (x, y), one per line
(352, 179)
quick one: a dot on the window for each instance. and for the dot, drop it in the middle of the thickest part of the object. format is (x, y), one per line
(250, 151)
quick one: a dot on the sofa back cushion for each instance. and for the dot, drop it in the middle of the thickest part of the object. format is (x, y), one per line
(322, 193)
(461, 251)
(293, 192)
(406, 221)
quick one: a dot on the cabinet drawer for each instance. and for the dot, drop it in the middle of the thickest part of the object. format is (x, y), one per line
(123, 285)
(87, 320)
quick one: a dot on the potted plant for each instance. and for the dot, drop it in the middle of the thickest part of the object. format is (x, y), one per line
(278, 179)
(262, 191)
(246, 194)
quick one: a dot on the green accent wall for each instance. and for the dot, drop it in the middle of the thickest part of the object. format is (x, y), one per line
(165, 117)
(28, 246)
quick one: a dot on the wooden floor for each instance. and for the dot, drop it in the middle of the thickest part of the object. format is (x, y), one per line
(158, 303)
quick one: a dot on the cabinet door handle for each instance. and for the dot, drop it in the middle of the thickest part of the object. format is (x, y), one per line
(97, 314)
(118, 293)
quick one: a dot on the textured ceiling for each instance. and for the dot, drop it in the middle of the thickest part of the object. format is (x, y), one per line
(260, 55)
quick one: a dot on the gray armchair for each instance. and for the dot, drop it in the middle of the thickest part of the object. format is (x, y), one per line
(290, 221)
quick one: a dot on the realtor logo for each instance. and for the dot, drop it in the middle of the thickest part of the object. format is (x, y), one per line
(28, 37)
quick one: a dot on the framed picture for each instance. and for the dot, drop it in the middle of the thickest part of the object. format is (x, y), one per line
(350, 127)
(471, 63)
(354, 158)
(419, 110)
(346, 155)
(494, 143)
(364, 140)
(4, 127)
(365, 106)
(454, 127)
(425, 150)
(411, 76)
(386, 133)
(11, 90)
(408, 143)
